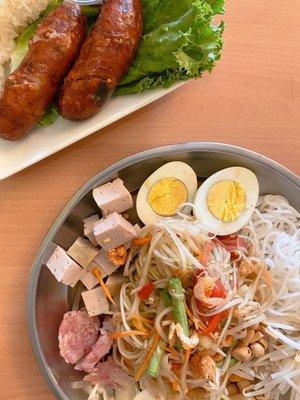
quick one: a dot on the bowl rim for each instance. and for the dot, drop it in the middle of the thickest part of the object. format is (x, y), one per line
(195, 146)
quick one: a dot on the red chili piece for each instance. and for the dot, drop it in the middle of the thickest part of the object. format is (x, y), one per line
(146, 290)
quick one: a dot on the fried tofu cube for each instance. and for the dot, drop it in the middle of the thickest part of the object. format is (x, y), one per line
(93, 265)
(64, 268)
(88, 228)
(113, 231)
(89, 280)
(95, 301)
(138, 229)
(82, 252)
(113, 197)
(105, 265)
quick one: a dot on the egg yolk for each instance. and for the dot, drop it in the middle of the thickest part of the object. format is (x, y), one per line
(226, 200)
(166, 196)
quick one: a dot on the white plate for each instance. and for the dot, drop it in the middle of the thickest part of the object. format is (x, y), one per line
(42, 142)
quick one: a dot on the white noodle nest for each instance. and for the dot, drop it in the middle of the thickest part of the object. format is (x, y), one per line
(275, 229)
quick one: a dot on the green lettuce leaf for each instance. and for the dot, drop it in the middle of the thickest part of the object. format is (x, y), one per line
(179, 42)
(49, 117)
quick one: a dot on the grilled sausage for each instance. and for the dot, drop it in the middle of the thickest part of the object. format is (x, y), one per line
(30, 89)
(104, 59)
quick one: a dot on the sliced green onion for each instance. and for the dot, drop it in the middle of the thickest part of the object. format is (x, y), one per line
(178, 304)
(155, 361)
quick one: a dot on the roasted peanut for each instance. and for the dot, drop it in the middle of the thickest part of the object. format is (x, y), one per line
(257, 350)
(248, 338)
(243, 384)
(257, 336)
(242, 353)
(232, 389)
(264, 342)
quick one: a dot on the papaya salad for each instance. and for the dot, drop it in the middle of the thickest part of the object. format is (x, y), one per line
(199, 299)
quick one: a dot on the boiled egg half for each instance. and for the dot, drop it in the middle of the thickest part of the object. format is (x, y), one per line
(165, 191)
(225, 201)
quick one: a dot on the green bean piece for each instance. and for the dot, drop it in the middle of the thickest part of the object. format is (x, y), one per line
(155, 361)
(178, 304)
(166, 298)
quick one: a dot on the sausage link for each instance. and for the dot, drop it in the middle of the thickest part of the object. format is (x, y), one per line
(30, 89)
(104, 59)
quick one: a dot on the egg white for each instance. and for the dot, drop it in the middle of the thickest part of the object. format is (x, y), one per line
(175, 169)
(247, 179)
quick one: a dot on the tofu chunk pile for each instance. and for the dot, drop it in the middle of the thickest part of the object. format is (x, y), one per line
(102, 235)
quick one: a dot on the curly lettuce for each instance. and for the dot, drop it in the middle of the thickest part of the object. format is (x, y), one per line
(179, 42)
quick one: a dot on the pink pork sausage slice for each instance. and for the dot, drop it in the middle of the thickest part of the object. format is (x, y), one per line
(77, 334)
(99, 350)
(109, 374)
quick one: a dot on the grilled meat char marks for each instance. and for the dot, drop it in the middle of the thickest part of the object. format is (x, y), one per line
(104, 59)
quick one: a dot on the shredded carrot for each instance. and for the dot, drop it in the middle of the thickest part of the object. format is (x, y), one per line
(142, 241)
(118, 335)
(170, 349)
(187, 355)
(195, 364)
(142, 319)
(107, 293)
(175, 386)
(128, 363)
(141, 369)
(176, 366)
(153, 331)
(137, 323)
(180, 274)
(189, 313)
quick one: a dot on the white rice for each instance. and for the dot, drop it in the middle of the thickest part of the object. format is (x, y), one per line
(15, 15)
